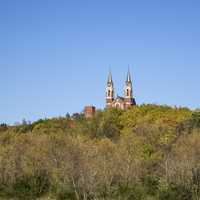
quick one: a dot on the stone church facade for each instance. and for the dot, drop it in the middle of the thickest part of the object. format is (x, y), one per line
(119, 102)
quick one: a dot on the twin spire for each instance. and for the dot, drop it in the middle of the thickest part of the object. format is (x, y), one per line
(128, 77)
(120, 102)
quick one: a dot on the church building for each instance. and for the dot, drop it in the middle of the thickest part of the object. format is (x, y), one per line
(115, 102)
(120, 102)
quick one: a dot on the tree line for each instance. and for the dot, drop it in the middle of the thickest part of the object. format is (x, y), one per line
(148, 152)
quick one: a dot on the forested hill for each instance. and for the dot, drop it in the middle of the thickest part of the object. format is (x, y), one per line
(147, 152)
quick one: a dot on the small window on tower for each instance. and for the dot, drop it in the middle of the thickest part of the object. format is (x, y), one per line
(108, 92)
(127, 92)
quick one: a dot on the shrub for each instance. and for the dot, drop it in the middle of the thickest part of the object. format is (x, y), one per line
(28, 187)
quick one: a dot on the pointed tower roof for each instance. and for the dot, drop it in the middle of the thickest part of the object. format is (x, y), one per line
(110, 77)
(128, 78)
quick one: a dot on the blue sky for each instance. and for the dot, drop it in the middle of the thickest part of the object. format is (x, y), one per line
(55, 55)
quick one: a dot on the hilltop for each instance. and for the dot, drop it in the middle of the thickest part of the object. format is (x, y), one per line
(144, 152)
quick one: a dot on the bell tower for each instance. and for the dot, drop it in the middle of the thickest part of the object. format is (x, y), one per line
(128, 91)
(109, 91)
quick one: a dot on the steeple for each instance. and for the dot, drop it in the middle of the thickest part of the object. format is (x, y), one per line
(128, 91)
(128, 86)
(110, 81)
(128, 78)
(109, 91)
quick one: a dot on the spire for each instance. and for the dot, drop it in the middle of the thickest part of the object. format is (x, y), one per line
(110, 77)
(109, 90)
(128, 86)
(128, 79)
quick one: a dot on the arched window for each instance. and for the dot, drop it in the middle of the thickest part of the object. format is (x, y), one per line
(127, 92)
(109, 93)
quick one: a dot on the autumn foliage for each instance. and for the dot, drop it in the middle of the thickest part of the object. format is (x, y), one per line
(147, 152)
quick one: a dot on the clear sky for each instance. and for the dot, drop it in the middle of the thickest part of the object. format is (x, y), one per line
(55, 54)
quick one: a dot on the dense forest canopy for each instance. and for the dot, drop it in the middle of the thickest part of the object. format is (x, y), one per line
(147, 152)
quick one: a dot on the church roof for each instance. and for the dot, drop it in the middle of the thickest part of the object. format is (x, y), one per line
(119, 97)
